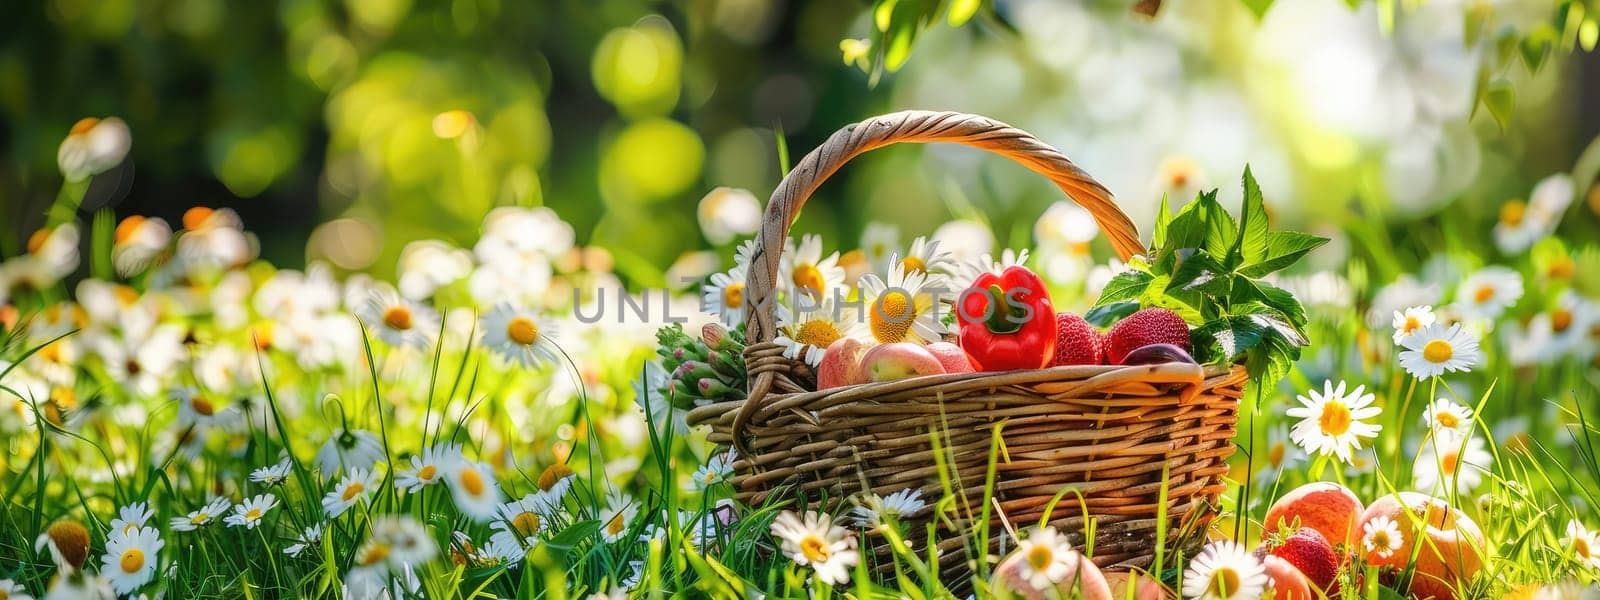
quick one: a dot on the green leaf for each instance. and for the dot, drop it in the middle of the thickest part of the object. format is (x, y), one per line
(1163, 217)
(899, 49)
(1284, 248)
(1278, 299)
(1588, 35)
(1106, 315)
(961, 11)
(1500, 100)
(1190, 227)
(569, 538)
(1220, 227)
(1536, 46)
(1251, 244)
(1127, 285)
(1200, 272)
(1258, 7)
(883, 14)
(1221, 340)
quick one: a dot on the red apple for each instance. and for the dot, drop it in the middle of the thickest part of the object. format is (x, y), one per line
(898, 360)
(1450, 556)
(951, 357)
(841, 364)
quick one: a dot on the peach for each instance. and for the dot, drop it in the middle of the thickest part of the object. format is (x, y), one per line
(841, 364)
(1143, 586)
(1329, 508)
(898, 360)
(951, 357)
(1285, 581)
(1083, 580)
(1448, 558)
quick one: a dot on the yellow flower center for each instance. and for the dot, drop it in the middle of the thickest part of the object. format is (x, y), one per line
(1381, 541)
(397, 317)
(526, 524)
(808, 277)
(1411, 325)
(1561, 268)
(37, 240)
(352, 490)
(815, 549)
(616, 525)
(199, 518)
(733, 295)
(252, 514)
(202, 406)
(1512, 213)
(1484, 294)
(891, 316)
(553, 475)
(427, 472)
(1580, 546)
(1040, 556)
(522, 330)
(1560, 320)
(126, 228)
(472, 482)
(1276, 453)
(71, 539)
(1438, 351)
(1447, 420)
(196, 217)
(1447, 463)
(132, 560)
(1335, 419)
(84, 125)
(912, 264)
(373, 554)
(1224, 581)
(817, 333)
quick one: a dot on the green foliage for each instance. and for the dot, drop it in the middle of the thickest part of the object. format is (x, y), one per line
(1207, 266)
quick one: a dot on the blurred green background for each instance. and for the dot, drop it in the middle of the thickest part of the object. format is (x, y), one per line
(341, 129)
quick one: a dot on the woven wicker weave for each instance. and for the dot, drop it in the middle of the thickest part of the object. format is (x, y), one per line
(1107, 432)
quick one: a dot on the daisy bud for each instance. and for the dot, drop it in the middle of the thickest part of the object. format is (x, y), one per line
(713, 334)
(68, 542)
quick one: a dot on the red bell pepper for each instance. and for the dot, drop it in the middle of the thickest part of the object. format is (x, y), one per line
(1007, 322)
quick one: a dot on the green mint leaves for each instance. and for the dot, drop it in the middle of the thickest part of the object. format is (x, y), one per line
(1207, 267)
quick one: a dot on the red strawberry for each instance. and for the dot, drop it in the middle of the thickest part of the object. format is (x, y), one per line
(1308, 551)
(1148, 326)
(1077, 342)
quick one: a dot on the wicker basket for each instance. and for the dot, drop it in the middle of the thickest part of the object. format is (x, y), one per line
(1108, 432)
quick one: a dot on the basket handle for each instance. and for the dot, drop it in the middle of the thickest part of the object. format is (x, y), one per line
(913, 126)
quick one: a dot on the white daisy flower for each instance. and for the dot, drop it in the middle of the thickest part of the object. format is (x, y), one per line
(202, 516)
(93, 146)
(1487, 293)
(1279, 455)
(11, 590)
(1450, 460)
(142, 362)
(1408, 321)
(1065, 225)
(516, 527)
(354, 488)
(723, 295)
(817, 542)
(1333, 422)
(519, 336)
(379, 582)
(397, 321)
(130, 558)
(1381, 538)
(1444, 415)
(212, 239)
(806, 330)
(195, 409)
(964, 239)
(1584, 544)
(716, 470)
(726, 213)
(397, 542)
(967, 272)
(427, 265)
(474, 488)
(311, 537)
(899, 504)
(880, 242)
(555, 480)
(137, 242)
(1522, 224)
(803, 271)
(1395, 297)
(1224, 571)
(68, 542)
(248, 514)
(901, 309)
(1435, 350)
(617, 515)
(349, 449)
(272, 475)
(926, 258)
(1048, 558)
(428, 467)
(132, 516)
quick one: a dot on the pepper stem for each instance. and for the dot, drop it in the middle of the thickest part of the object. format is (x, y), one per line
(1004, 318)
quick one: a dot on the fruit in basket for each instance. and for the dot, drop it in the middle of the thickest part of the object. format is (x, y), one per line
(1077, 342)
(841, 363)
(1155, 354)
(1044, 571)
(1285, 580)
(1446, 560)
(898, 360)
(1329, 508)
(1311, 553)
(1153, 325)
(1006, 321)
(951, 357)
(1144, 587)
